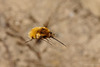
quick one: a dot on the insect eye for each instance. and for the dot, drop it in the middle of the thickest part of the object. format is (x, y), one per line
(44, 36)
(50, 32)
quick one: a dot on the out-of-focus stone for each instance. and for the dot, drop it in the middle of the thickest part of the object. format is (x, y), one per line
(92, 5)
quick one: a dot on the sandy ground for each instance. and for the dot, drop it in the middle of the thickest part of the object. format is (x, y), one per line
(74, 25)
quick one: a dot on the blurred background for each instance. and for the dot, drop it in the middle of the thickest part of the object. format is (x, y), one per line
(75, 22)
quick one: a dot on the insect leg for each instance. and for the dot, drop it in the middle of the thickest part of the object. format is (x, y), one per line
(28, 40)
(46, 40)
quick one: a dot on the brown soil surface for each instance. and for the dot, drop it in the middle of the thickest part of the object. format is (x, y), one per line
(74, 25)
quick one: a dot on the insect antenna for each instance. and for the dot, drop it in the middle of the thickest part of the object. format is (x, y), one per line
(59, 41)
(28, 40)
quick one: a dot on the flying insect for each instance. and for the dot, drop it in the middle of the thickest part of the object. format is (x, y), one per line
(41, 33)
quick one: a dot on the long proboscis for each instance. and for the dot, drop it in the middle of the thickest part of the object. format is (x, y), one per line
(59, 41)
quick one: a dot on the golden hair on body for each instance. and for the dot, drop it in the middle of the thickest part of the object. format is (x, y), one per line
(41, 33)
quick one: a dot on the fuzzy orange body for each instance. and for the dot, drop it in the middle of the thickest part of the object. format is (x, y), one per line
(38, 32)
(41, 33)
